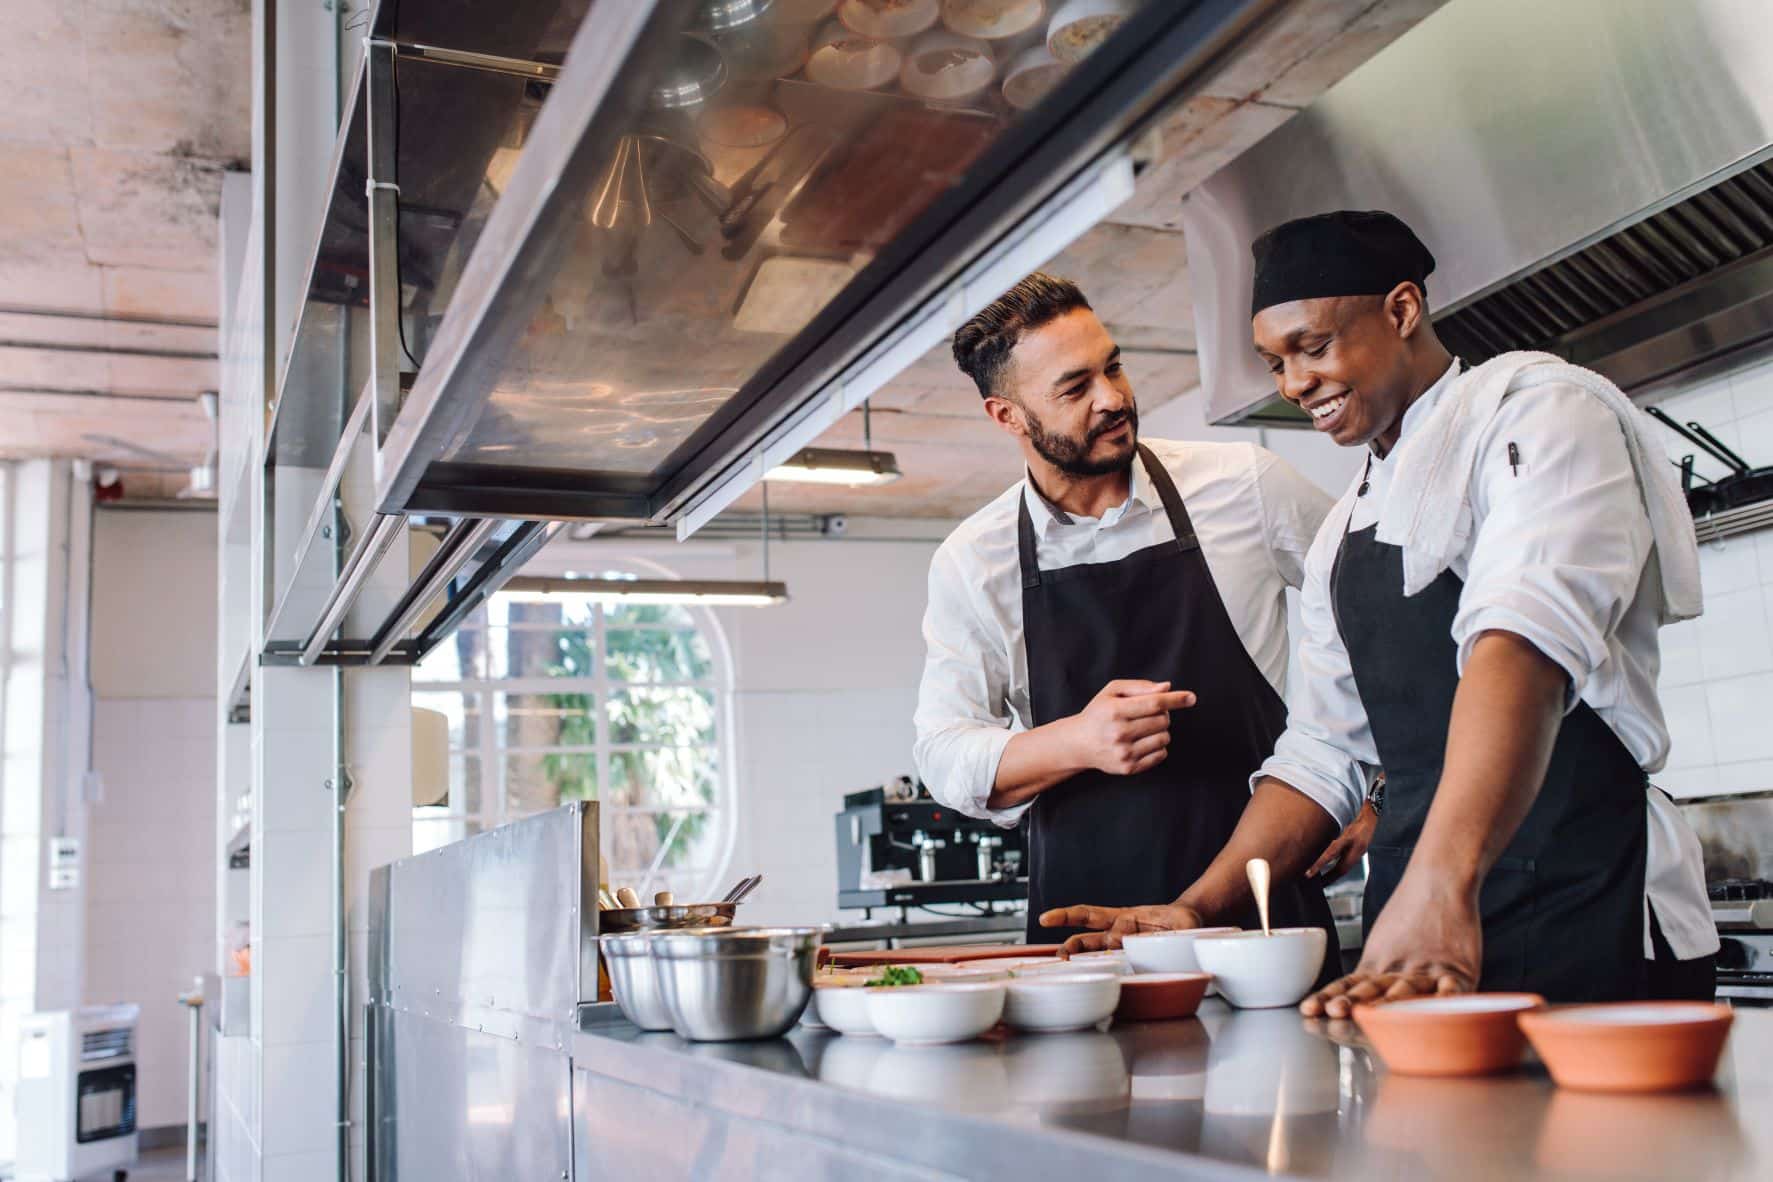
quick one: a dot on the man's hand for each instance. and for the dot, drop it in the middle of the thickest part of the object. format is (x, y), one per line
(1126, 728)
(1428, 940)
(1350, 846)
(1111, 923)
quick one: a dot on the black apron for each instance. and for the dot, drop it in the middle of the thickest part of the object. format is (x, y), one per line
(1563, 908)
(1119, 841)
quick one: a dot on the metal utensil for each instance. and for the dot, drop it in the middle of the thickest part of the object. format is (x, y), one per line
(1257, 869)
(717, 16)
(678, 915)
(735, 983)
(634, 982)
(695, 76)
(742, 888)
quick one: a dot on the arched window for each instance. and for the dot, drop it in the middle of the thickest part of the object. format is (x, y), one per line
(561, 697)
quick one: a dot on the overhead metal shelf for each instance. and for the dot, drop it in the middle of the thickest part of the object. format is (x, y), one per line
(593, 367)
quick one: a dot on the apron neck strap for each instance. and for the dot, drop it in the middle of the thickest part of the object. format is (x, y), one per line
(1180, 523)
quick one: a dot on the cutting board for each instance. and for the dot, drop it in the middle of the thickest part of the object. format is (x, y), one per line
(941, 954)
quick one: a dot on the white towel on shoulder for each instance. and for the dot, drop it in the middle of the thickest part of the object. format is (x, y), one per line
(1428, 510)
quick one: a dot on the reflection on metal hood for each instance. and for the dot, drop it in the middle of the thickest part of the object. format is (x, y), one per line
(1590, 175)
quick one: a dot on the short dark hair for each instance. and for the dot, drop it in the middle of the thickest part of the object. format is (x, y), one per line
(983, 344)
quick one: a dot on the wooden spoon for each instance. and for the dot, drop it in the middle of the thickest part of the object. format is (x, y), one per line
(1257, 869)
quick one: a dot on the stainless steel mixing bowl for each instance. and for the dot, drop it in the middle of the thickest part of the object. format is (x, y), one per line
(633, 980)
(724, 984)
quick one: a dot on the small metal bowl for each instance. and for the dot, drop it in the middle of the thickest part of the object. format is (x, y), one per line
(633, 980)
(678, 915)
(695, 76)
(727, 984)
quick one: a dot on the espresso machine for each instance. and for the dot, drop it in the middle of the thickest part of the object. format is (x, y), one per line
(897, 846)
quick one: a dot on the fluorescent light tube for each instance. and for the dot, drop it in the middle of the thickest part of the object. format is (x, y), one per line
(705, 592)
(830, 465)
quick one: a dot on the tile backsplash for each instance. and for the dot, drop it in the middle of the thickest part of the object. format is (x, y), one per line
(1717, 671)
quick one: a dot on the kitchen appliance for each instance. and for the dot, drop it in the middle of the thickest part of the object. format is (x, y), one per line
(1593, 178)
(894, 852)
(76, 1093)
(1743, 911)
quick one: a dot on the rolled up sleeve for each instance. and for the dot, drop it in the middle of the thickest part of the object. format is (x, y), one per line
(963, 719)
(1327, 750)
(1562, 535)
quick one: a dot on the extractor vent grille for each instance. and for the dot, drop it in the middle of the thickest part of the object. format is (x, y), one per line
(105, 1044)
(1679, 248)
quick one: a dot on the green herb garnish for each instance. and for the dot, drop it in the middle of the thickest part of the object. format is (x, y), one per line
(895, 974)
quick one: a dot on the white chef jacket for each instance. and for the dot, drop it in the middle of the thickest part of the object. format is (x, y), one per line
(1254, 516)
(1559, 554)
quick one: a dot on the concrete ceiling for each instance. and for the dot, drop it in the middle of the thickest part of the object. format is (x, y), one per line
(120, 118)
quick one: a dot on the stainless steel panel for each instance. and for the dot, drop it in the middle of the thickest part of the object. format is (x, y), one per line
(1531, 130)
(498, 931)
(601, 369)
(474, 1106)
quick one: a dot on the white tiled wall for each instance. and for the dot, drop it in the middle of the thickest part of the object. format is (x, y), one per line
(1717, 671)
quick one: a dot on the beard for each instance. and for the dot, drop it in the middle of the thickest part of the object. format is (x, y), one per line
(1072, 456)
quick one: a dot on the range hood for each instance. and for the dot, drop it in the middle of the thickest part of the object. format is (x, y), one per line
(652, 316)
(1592, 176)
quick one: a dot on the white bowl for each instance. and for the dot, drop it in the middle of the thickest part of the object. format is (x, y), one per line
(888, 18)
(1079, 26)
(946, 67)
(925, 1015)
(1060, 1002)
(1256, 971)
(844, 1008)
(1013, 966)
(844, 61)
(993, 19)
(1114, 960)
(1030, 75)
(1167, 952)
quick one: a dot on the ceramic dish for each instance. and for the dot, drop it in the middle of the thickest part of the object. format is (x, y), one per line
(992, 19)
(944, 1012)
(1152, 997)
(1630, 1046)
(888, 18)
(1258, 970)
(843, 1007)
(1166, 952)
(1079, 26)
(1030, 75)
(844, 61)
(1055, 1003)
(946, 67)
(1476, 1034)
(1013, 965)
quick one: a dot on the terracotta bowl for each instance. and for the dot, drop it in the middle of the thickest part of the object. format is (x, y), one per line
(1475, 1034)
(1634, 1046)
(1153, 997)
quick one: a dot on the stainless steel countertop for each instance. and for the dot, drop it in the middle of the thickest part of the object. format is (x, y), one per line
(1230, 1094)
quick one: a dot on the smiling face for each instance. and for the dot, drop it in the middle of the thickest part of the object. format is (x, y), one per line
(1348, 361)
(1064, 390)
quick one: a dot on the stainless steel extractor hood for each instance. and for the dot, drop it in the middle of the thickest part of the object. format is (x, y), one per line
(666, 301)
(1590, 174)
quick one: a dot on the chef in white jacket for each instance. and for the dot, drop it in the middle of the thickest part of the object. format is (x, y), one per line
(1480, 617)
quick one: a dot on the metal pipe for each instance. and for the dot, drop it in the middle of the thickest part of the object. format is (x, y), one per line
(105, 317)
(109, 350)
(340, 786)
(193, 1003)
(366, 555)
(457, 548)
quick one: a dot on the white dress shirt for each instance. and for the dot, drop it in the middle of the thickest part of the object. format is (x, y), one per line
(1255, 517)
(1559, 553)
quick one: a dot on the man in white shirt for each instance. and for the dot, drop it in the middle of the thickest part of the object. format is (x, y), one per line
(1107, 639)
(1507, 684)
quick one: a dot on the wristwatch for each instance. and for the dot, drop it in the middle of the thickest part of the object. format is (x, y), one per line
(1376, 794)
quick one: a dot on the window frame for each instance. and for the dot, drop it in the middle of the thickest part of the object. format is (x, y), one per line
(486, 746)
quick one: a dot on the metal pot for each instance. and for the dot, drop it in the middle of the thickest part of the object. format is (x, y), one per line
(677, 915)
(634, 981)
(724, 984)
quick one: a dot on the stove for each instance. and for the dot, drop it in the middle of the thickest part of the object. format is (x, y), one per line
(1743, 911)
